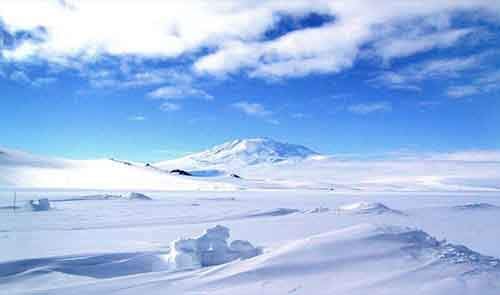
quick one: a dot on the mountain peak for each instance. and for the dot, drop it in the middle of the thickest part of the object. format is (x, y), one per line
(247, 151)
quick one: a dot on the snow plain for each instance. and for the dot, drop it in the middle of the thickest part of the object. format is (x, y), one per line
(121, 246)
(322, 225)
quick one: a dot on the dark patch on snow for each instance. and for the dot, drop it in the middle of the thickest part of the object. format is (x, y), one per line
(90, 198)
(9, 208)
(121, 162)
(318, 210)
(206, 173)
(476, 206)
(275, 212)
(180, 172)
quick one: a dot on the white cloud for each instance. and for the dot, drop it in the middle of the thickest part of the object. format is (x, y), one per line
(233, 31)
(468, 156)
(169, 107)
(252, 109)
(137, 118)
(367, 108)
(487, 82)
(403, 46)
(299, 116)
(410, 76)
(179, 92)
(20, 76)
(127, 78)
(42, 81)
(336, 46)
(461, 91)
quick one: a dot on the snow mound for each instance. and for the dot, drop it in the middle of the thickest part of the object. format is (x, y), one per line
(89, 265)
(366, 208)
(243, 152)
(211, 248)
(363, 259)
(40, 205)
(476, 206)
(137, 196)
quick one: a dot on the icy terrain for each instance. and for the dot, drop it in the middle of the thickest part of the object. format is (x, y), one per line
(311, 242)
(248, 217)
(258, 163)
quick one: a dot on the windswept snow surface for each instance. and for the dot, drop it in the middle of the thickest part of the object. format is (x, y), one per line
(117, 246)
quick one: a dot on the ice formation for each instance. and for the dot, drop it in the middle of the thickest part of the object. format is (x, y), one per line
(211, 248)
(40, 205)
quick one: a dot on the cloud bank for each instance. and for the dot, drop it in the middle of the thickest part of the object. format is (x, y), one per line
(225, 37)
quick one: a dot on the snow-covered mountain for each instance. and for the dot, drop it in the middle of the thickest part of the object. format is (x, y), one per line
(241, 152)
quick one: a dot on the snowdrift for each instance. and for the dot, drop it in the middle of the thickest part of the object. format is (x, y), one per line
(137, 196)
(363, 259)
(366, 208)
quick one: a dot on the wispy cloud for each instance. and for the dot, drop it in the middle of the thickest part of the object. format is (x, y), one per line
(121, 77)
(137, 118)
(179, 92)
(462, 91)
(419, 41)
(410, 77)
(170, 107)
(20, 76)
(300, 115)
(252, 109)
(44, 81)
(486, 83)
(23, 78)
(367, 108)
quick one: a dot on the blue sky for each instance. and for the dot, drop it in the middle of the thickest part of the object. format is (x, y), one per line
(150, 80)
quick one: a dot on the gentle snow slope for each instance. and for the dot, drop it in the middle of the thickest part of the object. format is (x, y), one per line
(362, 259)
(22, 170)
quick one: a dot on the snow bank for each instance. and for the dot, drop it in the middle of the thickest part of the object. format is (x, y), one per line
(366, 208)
(40, 205)
(211, 248)
(137, 196)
